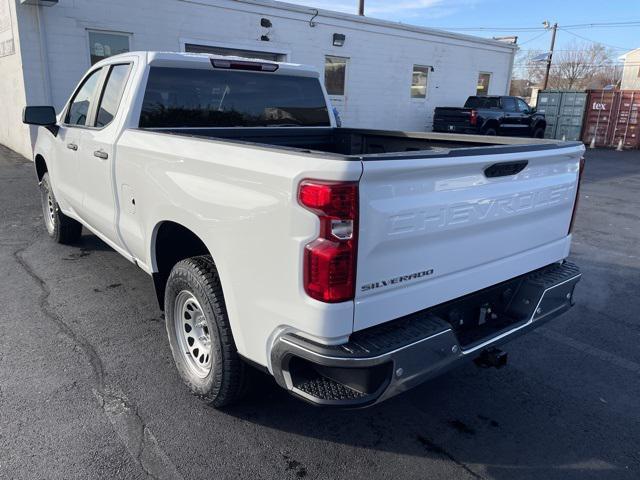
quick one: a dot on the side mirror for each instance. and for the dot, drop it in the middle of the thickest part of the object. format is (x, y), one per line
(44, 116)
(533, 109)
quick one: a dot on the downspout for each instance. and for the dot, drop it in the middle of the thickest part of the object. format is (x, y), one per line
(511, 61)
(44, 58)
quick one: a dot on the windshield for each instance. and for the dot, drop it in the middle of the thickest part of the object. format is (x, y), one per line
(482, 102)
(183, 97)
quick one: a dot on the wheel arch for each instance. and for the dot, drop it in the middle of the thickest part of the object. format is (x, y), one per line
(542, 123)
(491, 123)
(172, 242)
(40, 166)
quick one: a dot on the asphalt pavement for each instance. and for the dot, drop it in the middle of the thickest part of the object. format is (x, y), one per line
(88, 388)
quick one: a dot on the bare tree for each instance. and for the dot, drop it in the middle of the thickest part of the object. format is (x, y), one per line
(527, 67)
(577, 67)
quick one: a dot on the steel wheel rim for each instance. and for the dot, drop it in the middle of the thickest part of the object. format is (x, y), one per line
(193, 333)
(49, 210)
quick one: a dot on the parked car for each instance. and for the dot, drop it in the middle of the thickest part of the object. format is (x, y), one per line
(491, 115)
(350, 264)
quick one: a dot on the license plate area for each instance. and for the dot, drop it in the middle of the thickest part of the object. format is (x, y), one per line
(482, 314)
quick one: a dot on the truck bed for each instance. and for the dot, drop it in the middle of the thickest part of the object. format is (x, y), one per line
(362, 144)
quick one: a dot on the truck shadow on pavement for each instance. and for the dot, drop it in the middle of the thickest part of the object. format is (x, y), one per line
(561, 410)
(491, 424)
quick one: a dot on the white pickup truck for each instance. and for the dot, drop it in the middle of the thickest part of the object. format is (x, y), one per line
(350, 264)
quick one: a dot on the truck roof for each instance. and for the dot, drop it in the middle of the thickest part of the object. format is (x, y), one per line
(203, 61)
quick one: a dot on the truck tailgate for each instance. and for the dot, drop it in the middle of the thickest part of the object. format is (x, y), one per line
(434, 229)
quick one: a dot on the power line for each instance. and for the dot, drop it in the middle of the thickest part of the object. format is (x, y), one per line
(593, 41)
(534, 38)
(632, 23)
(627, 24)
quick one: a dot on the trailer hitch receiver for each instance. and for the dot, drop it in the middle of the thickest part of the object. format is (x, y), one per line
(492, 357)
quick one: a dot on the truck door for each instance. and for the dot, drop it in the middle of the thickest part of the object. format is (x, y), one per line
(525, 117)
(511, 117)
(96, 160)
(68, 183)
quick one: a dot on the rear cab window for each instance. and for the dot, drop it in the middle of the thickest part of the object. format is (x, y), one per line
(189, 97)
(482, 102)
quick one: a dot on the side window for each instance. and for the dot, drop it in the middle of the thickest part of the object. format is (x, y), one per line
(81, 102)
(522, 105)
(508, 104)
(112, 94)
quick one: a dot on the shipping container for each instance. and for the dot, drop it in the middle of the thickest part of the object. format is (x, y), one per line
(564, 111)
(612, 116)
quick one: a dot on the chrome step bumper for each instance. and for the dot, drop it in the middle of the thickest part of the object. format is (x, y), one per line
(388, 359)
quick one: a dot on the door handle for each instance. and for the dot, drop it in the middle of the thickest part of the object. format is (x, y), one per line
(101, 154)
(72, 146)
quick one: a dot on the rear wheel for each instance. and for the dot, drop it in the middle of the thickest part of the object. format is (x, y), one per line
(61, 228)
(491, 132)
(200, 335)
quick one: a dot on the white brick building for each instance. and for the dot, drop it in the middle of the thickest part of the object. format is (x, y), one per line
(380, 74)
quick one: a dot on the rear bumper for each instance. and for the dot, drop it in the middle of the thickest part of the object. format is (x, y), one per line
(446, 127)
(383, 361)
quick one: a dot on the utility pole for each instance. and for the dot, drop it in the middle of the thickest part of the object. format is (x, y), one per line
(554, 29)
(361, 8)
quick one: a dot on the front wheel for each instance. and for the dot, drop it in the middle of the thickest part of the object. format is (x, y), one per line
(538, 133)
(61, 228)
(200, 335)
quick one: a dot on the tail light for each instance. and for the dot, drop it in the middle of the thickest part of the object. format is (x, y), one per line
(473, 119)
(575, 203)
(330, 260)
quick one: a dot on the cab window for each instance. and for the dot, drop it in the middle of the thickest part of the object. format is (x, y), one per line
(81, 102)
(112, 94)
(508, 104)
(522, 105)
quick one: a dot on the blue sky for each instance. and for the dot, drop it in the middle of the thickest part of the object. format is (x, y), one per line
(509, 16)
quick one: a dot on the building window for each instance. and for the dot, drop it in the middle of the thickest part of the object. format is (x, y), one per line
(419, 81)
(235, 52)
(335, 75)
(483, 84)
(106, 44)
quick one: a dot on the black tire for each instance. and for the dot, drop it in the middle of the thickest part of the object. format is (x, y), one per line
(491, 132)
(225, 382)
(538, 133)
(61, 228)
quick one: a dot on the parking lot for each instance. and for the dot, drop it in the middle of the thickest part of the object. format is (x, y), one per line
(88, 388)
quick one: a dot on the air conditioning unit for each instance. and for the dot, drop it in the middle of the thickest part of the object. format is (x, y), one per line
(44, 3)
